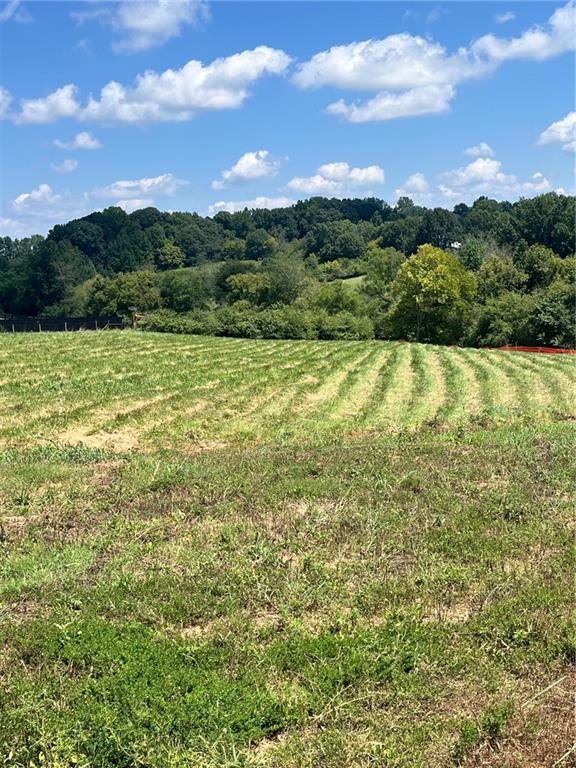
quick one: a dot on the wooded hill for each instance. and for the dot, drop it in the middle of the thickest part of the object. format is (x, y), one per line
(488, 274)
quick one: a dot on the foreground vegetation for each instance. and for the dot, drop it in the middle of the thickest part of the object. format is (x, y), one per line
(219, 552)
(490, 274)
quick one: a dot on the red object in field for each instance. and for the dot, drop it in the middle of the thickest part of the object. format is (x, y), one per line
(546, 350)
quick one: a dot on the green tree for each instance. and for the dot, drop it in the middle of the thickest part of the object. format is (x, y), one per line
(336, 297)
(382, 265)
(432, 297)
(123, 294)
(185, 289)
(401, 234)
(169, 256)
(439, 227)
(472, 253)
(259, 245)
(537, 261)
(504, 319)
(335, 240)
(553, 316)
(252, 287)
(497, 275)
(233, 249)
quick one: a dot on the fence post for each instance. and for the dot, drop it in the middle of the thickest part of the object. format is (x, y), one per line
(39, 327)
(13, 328)
(65, 325)
(96, 324)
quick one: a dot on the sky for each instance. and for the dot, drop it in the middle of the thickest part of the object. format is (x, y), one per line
(196, 106)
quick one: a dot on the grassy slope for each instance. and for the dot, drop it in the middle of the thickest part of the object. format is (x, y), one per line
(343, 594)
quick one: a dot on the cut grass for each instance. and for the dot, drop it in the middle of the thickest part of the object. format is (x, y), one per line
(373, 570)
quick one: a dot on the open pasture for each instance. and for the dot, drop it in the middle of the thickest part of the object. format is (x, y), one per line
(122, 391)
(220, 553)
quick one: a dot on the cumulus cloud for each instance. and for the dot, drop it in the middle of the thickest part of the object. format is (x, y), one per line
(232, 206)
(42, 195)
(411, 75)
(484, 176)
(172, 95)
(418, 188)
(144, 24)
(40, 209)
(480, 150)
(561, 132)
(557, 36)
(503, 18)
(417, 182)
(252, 165)
(60, 103)
(428, 99)
(337, 179)
(82, 140)
(135, 189)
(66, 166)
(134, 204)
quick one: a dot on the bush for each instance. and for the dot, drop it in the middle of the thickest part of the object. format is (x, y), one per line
(244, 321)
(166, 321)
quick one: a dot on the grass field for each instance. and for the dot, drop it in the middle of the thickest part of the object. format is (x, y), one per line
(222, 552)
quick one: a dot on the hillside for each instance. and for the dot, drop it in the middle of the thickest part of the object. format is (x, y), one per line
(488, 274)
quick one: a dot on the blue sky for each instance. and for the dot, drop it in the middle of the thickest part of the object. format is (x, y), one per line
(211, 107)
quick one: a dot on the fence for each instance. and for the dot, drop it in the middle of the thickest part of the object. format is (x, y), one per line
(38, 324)
(546, 350)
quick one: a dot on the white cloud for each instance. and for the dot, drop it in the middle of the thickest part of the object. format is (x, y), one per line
(172, 95)
(397, 62)
(411, 75)
(11, 228)
(151, 23)
(561, 132)
(557, 36)
(428, 99)
(60, 103)
(40, 209)
(82, 140)
(337, 179)
(418, 188)
(137, 189)
(484, 176)
(258, 202)
(134, 204)
(42, 195)
(480, 150)
(503, 18)
(5, 101)
(417, 182)
(252, 165)
(66, 166)
(144, 24)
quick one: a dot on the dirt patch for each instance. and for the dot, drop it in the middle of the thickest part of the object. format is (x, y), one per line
(118, 441)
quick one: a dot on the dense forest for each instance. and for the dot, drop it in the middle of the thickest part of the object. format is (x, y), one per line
(492, 273)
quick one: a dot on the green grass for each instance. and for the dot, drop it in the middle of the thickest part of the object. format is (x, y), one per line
(217, 552)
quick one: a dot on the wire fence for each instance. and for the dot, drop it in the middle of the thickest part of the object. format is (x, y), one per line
(39, 324)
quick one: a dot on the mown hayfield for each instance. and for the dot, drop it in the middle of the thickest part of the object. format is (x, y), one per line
(222, 552)
(124, 391)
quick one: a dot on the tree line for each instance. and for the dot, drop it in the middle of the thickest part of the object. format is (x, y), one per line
(492, 273)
